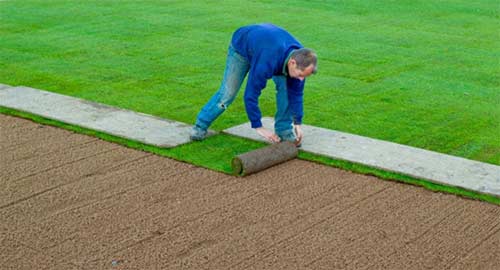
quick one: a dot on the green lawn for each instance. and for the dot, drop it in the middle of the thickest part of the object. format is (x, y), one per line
(420, 73)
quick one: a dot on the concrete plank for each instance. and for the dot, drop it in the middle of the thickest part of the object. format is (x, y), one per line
(4, 86)
(127, 124)
(415, 162)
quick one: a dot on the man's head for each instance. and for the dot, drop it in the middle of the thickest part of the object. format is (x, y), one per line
(302, 63)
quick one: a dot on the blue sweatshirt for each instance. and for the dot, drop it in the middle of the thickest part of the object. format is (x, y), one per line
(267, 48)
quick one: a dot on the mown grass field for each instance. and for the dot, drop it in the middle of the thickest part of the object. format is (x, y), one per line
(420, 73)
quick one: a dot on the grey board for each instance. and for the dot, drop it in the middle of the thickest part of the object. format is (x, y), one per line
(111, 120)
(4, 86)
(415, 162)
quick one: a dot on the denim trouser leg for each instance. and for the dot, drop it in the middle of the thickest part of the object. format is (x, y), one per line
(283, 118)
(236, 69)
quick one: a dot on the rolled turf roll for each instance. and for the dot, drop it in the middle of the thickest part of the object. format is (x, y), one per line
(263, 158)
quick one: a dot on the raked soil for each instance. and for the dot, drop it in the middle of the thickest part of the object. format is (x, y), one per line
(69, 201)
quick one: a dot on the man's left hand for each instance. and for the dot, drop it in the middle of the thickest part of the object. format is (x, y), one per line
(298, 134)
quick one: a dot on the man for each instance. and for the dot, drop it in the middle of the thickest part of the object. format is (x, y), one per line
(264, 51)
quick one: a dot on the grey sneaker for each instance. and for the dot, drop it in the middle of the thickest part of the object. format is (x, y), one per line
(198, 134)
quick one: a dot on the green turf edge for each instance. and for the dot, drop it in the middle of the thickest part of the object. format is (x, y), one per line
(179, 156)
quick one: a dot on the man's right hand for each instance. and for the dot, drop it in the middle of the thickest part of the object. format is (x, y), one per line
(268, 135)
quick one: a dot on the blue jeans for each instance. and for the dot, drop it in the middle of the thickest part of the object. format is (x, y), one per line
(236, 70)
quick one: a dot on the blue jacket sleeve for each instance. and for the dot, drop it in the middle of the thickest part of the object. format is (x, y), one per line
(258, 75)
(296, 99)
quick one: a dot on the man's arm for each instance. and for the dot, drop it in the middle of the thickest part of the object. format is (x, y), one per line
(298, 133)
(261, 70)
(254, 87)
(258, 75)
(252, 93)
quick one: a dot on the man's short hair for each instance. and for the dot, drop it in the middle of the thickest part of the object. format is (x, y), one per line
(304, 58)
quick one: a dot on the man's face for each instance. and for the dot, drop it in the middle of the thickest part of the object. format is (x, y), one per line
(295, 72)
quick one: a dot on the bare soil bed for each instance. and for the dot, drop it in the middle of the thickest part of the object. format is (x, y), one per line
(69, 201)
